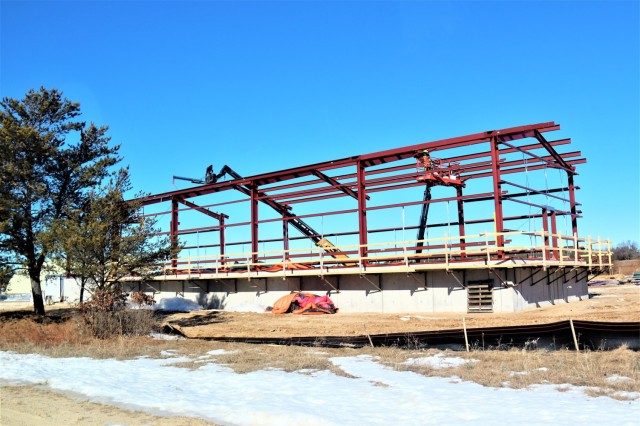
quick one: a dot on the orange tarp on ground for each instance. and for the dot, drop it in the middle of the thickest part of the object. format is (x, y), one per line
(304, 303)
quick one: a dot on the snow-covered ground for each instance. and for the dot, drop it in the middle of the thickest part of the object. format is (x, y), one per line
(377, 395)
(19, 297)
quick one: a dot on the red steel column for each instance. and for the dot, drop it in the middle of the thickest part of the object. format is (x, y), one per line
(497, 193)
(173, 233)
(572, 202)
(254, 224)
(461, 231)
(285, 235)
(362, 209)
(554, 237)
(222, 239)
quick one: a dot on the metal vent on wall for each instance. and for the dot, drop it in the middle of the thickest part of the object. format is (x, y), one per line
(480, 296)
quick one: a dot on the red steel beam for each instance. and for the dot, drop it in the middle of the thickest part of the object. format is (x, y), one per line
(550, 163)
(412, 165)
(218, 216)
(406, 177)
(362, 209)
(174, 233)
(522, 169)
(573, 204)
(534, 191)
(540, 206)
(407, 152)
(334, 183)
(461, 230)
(222, 240)
(254, 224)
(497, 194)
(552, 151)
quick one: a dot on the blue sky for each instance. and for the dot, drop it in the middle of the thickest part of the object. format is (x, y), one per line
(268, 85)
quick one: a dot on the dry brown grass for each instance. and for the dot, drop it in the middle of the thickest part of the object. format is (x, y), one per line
(245, 358)
(610, 372)
(22, 328)
(64, 334)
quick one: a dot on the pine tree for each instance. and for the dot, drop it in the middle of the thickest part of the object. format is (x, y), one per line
(48, 162)
(106, 239)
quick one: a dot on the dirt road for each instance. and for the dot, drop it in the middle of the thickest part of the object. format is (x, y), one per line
(31, 406)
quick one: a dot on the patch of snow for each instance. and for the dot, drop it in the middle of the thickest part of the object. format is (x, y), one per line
(405, 318)
(130, 305)
(518, 373)
(217, 394)
(18, 297)
(628, 395)
(618, 378)
(247, 307)
(543, 369)
(438, 361)
(220, 352)
(315, 352)
(161, 336)
(177, 304)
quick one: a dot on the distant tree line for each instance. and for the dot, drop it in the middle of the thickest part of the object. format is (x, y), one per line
(626, 250)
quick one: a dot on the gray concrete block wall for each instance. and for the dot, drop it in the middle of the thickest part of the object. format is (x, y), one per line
(432, 291)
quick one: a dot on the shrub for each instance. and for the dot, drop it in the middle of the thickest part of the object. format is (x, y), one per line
(106, 316)
(126, 322)
(141, 298)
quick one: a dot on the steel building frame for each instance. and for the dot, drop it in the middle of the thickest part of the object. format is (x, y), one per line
(494, 158)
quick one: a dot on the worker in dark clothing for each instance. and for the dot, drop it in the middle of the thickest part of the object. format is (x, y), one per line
(210, 176)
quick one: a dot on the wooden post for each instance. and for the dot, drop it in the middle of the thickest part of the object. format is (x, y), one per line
(367, 333)
(466, 339)
(573, 331)
(599, 253)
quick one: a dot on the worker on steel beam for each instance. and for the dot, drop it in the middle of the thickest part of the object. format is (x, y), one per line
(210, 176)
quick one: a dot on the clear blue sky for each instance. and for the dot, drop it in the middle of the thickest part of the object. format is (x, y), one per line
(268, 85)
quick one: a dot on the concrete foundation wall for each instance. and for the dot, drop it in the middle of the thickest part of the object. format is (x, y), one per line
(549, 289)
(433, 291)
